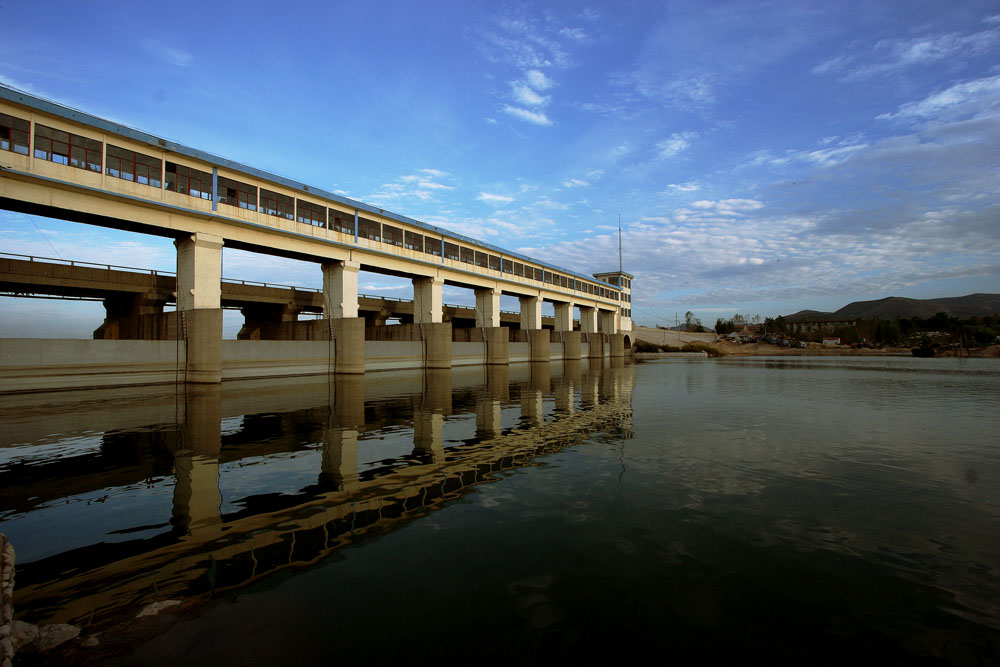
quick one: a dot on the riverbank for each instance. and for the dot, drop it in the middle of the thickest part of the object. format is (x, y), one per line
(813, 350)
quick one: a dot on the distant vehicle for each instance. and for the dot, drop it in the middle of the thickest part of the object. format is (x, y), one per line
(785, 343)
(801, 344)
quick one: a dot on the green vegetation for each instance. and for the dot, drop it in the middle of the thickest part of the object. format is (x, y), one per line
(938, 330)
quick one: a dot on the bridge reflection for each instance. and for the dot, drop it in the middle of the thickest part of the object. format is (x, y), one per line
(263, 475)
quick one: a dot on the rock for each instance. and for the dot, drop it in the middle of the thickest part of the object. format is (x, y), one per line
(50, 636)
(24, 635)
(154, 608)
(90, 641)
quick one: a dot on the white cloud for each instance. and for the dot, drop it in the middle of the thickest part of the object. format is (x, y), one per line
(962, 99)
(534, 117)
(675, 143)
(573, 33)
(526, 95)
(684, 187)
(892, 55)
(537, 79)
(574, 183)
(494, 198)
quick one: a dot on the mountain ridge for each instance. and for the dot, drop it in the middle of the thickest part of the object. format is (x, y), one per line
(978, 304)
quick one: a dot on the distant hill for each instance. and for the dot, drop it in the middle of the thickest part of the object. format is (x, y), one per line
(892, 307)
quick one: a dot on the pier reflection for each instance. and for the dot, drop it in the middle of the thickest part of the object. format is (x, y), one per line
(115, 499)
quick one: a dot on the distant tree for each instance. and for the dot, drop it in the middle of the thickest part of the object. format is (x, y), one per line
(724, 326)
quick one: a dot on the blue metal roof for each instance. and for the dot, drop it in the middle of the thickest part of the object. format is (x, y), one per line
(68, 113)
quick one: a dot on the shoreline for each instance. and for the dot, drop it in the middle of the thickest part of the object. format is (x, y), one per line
(765, 350)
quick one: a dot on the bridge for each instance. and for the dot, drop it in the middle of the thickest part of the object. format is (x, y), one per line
(63, 163)
(129, 294)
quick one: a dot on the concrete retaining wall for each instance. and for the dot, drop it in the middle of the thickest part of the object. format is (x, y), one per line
(393, 355)
(35, 364)
(243, 359)
(468, 354)
(520, 352)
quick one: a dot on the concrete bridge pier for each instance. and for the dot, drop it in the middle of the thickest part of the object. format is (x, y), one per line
(617, 345)
(596, 341)
(199, 306)
(539, 341)
(268, 321)
(572, 345)
(125, 316)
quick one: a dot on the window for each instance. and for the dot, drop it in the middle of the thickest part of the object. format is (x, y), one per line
(468, 256)
(309, 213)
(369, 229)
(277, 204)
(432, 246)
(494, 262)
(14, 134)
(518, 269)
(232, 193)
(342, 222)
(131, 166)
(451, 251)
(413, 241)
(188, 181)
(538, 274)
(564, 281)
(69, 149)
(482, 259)
(393, 235)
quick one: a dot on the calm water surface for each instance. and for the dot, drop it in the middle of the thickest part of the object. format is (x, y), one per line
(800, 509)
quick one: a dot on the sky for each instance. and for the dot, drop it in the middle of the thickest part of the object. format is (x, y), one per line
(763, 157)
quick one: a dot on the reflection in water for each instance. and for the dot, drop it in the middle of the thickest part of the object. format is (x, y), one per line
(265, 474)
(813, 509)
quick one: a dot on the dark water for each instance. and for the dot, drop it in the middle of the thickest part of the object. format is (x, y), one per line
(809, 510)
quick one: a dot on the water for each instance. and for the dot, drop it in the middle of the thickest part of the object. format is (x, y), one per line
(798, 509)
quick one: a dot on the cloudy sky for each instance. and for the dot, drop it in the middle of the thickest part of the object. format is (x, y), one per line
(763, 157)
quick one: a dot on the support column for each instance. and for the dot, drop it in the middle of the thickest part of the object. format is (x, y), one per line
(497, 342)
(540, 342)
(571, 345)
(340, 289)
(588, 319)
(199, 305)
(436, 339)
(348, 345)
(487, 307)
(427, 303)
(607, 318)
(596, 341)
(564, 315)
(531, 313)
(617, 344)
(124, 314)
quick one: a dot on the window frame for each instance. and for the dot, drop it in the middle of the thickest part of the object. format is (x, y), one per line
(8, 128)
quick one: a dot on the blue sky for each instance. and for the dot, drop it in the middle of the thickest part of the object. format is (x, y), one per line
(764, 157)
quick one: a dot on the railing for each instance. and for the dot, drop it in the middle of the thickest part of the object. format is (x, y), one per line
(153, 272)
(76, 262)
